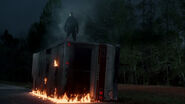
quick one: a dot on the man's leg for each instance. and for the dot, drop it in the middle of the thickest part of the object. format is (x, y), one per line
(68, 34)
(74, 36)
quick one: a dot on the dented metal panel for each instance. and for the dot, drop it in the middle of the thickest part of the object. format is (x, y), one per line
(94, 72)
(109, 74)
(35, 69)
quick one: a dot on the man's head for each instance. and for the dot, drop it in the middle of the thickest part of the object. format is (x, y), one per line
(70, 14)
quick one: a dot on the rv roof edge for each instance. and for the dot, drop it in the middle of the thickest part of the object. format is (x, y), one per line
(62, 43)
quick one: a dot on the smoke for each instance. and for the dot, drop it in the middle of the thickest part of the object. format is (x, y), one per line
(82, 9)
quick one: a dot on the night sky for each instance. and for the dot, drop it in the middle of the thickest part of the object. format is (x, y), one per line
(18, 15)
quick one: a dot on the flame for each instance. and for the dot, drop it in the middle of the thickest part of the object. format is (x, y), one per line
(55, 63)
(63, 99)
(45, 80)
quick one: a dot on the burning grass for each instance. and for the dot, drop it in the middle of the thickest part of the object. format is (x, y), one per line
(63, 99)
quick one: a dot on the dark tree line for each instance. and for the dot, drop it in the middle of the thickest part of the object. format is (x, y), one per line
(15, 59)
(151, 35)
(16, 53)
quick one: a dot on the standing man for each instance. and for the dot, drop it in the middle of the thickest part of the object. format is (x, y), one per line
(71, 26)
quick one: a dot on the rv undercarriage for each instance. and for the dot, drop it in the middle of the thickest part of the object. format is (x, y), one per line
(74, 68)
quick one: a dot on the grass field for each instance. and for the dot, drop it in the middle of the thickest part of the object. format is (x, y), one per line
(134, 94)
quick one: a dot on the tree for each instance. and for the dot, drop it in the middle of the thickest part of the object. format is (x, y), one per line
(111, 21)
(35, 36)
(8, 40)
(39, 31)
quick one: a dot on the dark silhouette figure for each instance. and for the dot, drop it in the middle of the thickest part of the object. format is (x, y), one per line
(71, 27)
(7, 39)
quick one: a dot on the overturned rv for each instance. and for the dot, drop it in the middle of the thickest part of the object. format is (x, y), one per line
(78, 68)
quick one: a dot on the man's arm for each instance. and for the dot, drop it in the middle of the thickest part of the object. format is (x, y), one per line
(77, 28)
(65, 26)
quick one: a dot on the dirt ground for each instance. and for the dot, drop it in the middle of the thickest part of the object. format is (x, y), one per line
(140, 94)
(165, 90)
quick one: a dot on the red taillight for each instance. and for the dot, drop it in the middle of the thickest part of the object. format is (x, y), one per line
(68, 44)
(100, 97)
(101, 92)
(67, 63)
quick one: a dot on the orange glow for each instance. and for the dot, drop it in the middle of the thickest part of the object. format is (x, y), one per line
(45, 80)
(55, 63)
(63, 99)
